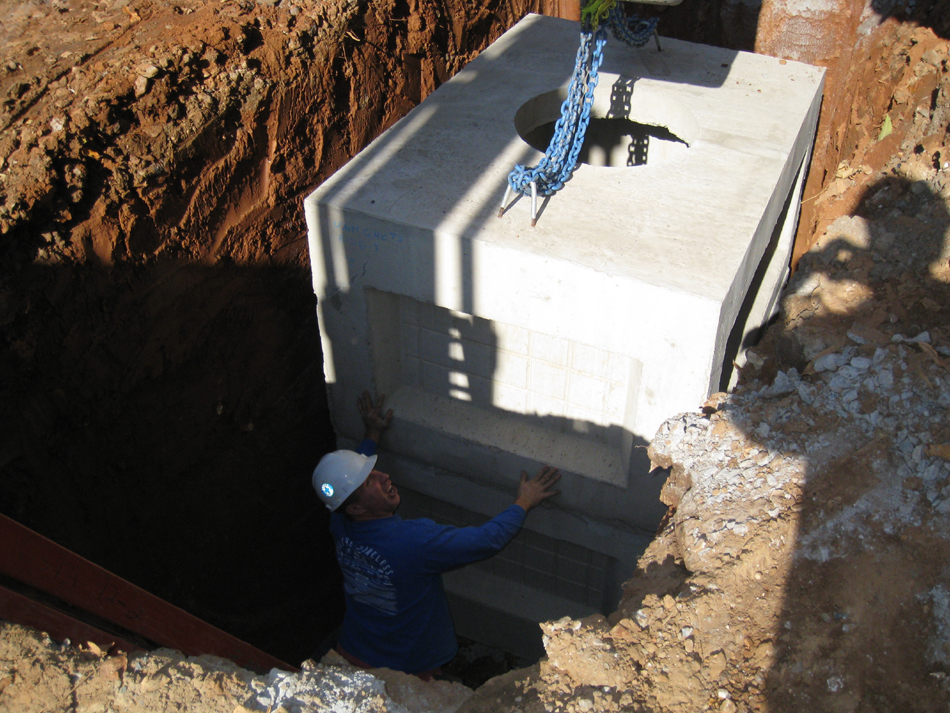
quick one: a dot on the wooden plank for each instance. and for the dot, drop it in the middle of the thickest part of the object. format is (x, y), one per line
(23, 610)
(34, 560)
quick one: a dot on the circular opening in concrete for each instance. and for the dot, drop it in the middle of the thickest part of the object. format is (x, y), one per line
(633, 123)
(616, 142)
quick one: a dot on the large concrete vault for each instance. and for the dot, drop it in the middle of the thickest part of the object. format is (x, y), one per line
(501, 346)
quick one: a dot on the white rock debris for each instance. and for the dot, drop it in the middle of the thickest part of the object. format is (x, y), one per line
(782, 487)
(325, 689)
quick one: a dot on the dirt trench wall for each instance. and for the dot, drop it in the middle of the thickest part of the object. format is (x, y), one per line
(881, 94)
(160, 363)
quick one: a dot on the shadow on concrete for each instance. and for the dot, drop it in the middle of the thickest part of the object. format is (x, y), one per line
(743, 336)
(613, 140)
(462, 352)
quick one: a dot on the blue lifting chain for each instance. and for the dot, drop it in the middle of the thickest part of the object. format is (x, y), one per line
(560, 159)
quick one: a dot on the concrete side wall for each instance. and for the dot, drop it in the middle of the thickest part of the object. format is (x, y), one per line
(502, 346)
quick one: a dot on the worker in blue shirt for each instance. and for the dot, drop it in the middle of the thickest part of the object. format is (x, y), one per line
(397, 615)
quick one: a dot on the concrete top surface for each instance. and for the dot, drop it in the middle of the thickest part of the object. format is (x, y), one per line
(684, 224)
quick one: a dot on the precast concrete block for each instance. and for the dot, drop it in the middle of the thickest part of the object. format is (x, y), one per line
(501, 346)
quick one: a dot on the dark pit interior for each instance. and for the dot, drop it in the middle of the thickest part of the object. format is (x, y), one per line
(614, 142)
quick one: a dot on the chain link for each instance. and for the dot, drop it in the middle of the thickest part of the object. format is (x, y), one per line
(560, 159)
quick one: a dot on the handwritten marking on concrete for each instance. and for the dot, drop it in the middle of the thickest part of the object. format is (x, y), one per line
(364, 238)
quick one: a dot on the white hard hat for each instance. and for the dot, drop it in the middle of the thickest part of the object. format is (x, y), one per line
(338, 474)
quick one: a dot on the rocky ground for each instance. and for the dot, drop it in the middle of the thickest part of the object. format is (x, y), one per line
(803, 563)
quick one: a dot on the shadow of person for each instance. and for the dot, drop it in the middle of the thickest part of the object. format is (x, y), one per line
(856, 388)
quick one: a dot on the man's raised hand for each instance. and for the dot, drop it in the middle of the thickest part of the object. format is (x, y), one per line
(533, 491)
(373, 417)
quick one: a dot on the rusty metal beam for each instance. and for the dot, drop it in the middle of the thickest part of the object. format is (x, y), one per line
(40, 563)
(23, 610)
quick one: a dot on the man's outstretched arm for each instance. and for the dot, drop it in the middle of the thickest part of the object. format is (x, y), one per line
(449, 548)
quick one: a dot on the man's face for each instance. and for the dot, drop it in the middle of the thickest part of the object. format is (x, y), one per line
(378, 497)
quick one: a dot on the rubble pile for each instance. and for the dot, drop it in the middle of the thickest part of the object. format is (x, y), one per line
(38, 674)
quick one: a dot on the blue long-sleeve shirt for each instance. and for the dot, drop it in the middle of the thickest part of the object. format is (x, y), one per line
(397, 615)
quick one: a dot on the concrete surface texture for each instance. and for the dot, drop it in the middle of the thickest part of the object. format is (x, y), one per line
(501, 345)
